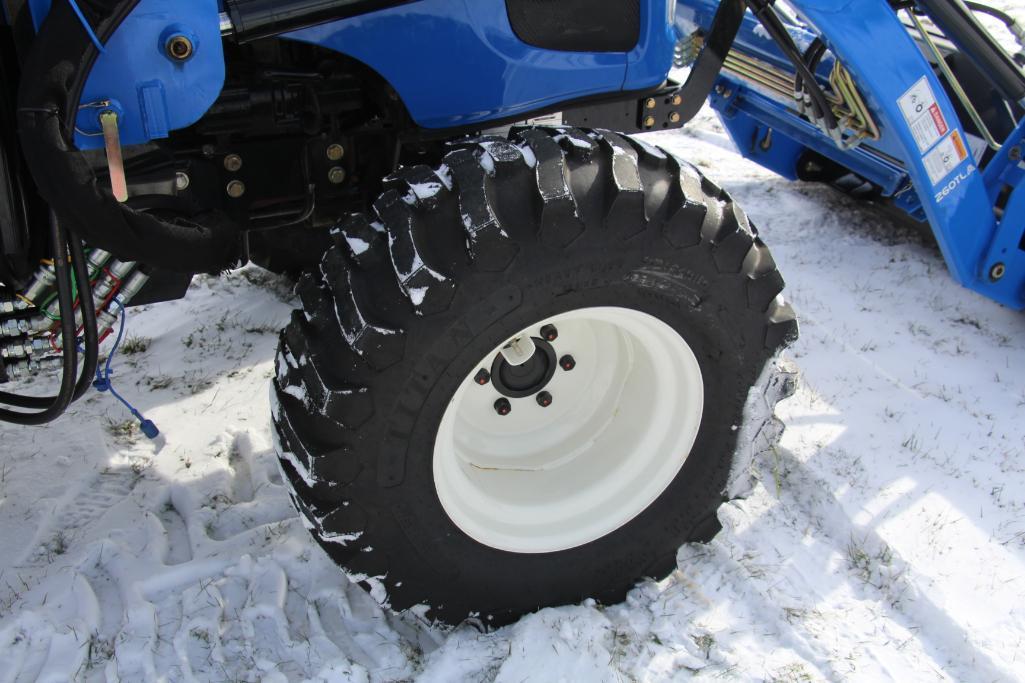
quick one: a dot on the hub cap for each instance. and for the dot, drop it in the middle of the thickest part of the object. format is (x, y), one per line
(618, 429)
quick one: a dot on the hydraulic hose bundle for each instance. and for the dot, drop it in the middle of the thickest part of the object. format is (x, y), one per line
(68, 308)
(815, 102)
(43, 409)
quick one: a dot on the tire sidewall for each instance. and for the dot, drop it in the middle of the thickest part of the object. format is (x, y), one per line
(645, 544)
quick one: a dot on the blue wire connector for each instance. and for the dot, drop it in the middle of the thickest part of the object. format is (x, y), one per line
(103, 383)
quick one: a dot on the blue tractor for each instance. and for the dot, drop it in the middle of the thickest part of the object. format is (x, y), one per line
(530, 346)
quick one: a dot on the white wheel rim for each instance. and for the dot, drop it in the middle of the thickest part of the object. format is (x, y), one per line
(620, 427)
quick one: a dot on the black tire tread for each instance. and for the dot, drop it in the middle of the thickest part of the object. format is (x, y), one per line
(645, 187)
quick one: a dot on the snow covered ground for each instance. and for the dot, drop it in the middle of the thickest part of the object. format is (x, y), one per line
(886, 539)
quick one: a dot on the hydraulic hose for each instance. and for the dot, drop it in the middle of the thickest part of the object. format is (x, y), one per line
(993, 12)
(777, 31)
(811, 57)
(54, 406)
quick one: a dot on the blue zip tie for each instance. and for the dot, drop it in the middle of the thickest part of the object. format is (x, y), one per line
(103, 382)
(88, 29)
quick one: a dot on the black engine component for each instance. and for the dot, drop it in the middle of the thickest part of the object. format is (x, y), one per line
(577, 25)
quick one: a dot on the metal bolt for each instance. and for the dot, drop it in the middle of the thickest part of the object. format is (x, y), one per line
(997, 271)
(720, 89)
(677, 100)
(649, 122)
(236, 188)
(674, 117)
(335, 152)
(179, 48)
(233, 163)
(336, 175)
(182, 181)
(482, 377)
(503, 407)
(650, 103)
(1014, 154)
(567, 363)
(549, 333)
(544, 399)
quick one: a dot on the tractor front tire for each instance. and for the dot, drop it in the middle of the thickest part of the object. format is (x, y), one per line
(520, 381)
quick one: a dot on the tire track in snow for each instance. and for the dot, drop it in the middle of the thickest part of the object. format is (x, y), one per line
(176, 531)
(87, 505)
(249, 510)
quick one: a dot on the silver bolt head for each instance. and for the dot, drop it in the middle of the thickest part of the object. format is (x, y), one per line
(182, 181)
(336, 175)
(233, 163)
(236, 188)
(335, 152)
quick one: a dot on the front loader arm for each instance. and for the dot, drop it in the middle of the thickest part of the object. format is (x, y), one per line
(886, 63)
(982, 247)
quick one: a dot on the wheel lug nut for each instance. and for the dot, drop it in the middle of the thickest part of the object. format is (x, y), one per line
(568, 363)
(549, 333)
(482, 377)
(544, 399)
(503, 407)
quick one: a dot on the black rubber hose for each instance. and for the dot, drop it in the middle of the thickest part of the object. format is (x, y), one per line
(991, 11)
(772, 24)
(88, 308)
(66, 395)
(812, 56)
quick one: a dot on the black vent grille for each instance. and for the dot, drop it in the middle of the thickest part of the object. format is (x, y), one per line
(577, 25)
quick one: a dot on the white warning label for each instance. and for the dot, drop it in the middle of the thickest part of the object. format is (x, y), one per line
(923, 115)
(945, 158)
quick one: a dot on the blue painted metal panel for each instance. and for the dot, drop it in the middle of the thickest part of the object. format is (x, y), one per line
(740, 108)
(453, 62)
(458, 62)
(157, 94)
(648, 64)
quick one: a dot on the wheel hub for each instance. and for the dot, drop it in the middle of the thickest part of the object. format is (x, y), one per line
(527, 378)
(546, 455)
